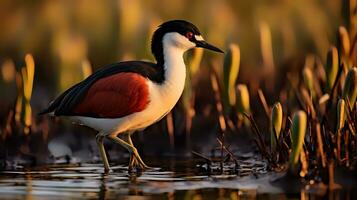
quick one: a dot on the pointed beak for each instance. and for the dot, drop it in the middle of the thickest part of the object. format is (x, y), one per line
(204, 44)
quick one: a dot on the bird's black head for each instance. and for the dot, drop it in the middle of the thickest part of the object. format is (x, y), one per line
(180, 33)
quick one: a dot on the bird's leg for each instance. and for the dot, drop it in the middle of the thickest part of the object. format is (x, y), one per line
(137, 155)
(133, 161)
(130, 148)
(99, 139)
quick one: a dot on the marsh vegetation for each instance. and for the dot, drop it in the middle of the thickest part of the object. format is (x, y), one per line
(279, 109)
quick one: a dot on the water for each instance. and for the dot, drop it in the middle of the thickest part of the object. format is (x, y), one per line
(175, 179)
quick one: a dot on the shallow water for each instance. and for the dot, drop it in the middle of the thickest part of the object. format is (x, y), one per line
(175, 179)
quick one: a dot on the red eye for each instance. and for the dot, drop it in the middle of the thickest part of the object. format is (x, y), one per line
(189, 35)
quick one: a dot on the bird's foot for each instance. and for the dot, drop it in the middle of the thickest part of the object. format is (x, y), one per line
(107, 170)
(137, 163)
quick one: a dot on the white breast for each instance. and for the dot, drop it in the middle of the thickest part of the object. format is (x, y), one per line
(163, 97)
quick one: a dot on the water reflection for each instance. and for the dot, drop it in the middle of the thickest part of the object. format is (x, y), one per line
(186, 181)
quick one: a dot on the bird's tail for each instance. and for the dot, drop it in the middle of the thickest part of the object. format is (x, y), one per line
(49, 109)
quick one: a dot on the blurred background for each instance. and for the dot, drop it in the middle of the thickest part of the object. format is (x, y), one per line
(64, 41)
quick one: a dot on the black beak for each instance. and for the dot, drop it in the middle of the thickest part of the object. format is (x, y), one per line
(204, 44)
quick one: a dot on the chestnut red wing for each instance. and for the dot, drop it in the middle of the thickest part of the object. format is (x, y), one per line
(115, 96)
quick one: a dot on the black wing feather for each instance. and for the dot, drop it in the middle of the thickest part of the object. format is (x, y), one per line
(64, 104)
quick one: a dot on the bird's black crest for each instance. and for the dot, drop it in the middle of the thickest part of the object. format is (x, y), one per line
(179, 26)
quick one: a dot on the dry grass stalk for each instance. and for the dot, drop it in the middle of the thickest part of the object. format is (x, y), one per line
(266, 48)
(18, 105)
(86, 68)
(28, 73)
(304, 164)
(170, 129)
(264, 103)
(320, 145)
(219, 107)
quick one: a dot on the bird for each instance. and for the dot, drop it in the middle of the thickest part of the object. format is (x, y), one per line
(128, 96)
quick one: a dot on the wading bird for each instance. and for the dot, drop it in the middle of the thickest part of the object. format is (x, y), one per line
(128, 96)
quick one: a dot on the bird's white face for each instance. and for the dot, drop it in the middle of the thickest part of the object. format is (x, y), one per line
(179, 41)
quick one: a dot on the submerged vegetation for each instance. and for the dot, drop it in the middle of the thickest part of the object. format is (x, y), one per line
(296, 107)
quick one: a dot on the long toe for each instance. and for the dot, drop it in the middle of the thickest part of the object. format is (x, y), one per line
(137, 164)
(133, 163)
(139, 160)
(143, 165)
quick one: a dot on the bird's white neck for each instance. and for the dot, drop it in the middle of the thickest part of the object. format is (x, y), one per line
(174, 66)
